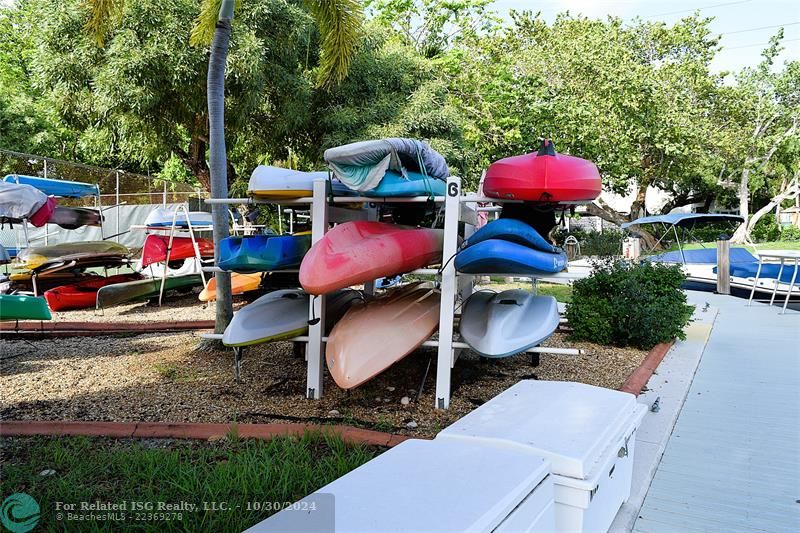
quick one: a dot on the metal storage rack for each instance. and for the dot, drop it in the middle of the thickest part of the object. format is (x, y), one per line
(457, 209)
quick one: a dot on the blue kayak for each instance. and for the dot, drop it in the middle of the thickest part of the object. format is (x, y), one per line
(394, 185)
(498, 256)
(261, 253)
(512, 230)
(62, 188)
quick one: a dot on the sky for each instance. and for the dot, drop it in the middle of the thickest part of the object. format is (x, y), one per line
(745, 25)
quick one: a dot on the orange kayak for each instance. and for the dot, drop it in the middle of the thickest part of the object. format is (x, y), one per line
(240, 283)
(373, 336)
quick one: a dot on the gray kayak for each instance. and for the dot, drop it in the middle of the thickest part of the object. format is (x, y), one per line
(509, 322)
(142, 289)
(281, 315)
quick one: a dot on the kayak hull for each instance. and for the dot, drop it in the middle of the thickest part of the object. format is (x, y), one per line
(262, 253)
(119, 293)
(91, 253)
(161, 217)
(16, 307)
(283, 183)
(394, 185)
(507, 323)
(357, 252)
(511, 230)
(495, 256)
(156, 246)
(82, 295)
(240, 284)
(75, 217)
(51, 187)
(372, 336)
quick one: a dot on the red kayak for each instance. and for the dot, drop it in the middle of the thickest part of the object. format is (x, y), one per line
(82, 295)
(362, 251)
(545, 176)
(155, 248)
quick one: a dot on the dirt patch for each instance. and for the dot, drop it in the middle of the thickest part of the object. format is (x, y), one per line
(165, 378)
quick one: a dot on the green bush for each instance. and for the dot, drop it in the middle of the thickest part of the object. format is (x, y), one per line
(790, 233)
(766, 229)
(629, 304)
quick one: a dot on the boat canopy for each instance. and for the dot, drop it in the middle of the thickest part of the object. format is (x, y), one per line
(684, 219)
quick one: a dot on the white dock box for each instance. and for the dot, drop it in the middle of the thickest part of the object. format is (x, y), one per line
(587, 433)
(435, 486)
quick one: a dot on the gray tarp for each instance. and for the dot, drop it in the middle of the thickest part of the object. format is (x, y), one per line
(362, 165)
(19, 201)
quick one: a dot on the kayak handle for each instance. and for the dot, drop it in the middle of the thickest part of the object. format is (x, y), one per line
(508, 302)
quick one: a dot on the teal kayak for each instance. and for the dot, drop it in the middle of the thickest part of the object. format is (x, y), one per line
(15, 307)
(51, 187)
(394, 185)
(262, 253)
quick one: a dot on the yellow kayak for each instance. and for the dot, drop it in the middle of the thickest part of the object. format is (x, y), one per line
(240, 283)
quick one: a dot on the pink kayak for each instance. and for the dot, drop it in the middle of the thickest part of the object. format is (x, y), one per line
(373, 336)
(361, 251)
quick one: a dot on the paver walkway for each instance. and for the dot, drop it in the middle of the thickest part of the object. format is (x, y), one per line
(733, 460)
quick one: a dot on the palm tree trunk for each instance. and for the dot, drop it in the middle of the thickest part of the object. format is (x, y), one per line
(218, 161)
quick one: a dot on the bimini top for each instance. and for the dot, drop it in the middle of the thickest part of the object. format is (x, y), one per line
(684, 219)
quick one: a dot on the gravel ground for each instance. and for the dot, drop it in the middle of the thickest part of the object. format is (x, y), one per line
(169, 378)
(175, 307)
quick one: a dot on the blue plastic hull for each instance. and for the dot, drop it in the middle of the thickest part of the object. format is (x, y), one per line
(498, 256)
(262, 253)
(509, 229)
(63, 188)
(394, 185)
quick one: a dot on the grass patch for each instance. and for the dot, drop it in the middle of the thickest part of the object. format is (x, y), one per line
(234, 471)
(562, 293)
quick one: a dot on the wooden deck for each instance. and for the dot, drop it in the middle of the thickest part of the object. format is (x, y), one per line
(733, 460)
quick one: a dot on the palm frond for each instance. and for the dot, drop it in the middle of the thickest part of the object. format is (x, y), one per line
(101, 15)
(339, 23)
(206, 22)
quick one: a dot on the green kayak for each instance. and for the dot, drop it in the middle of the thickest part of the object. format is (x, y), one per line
(14, 307)
(142, 289)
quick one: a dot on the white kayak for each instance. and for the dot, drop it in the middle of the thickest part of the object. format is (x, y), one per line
(277, 183)
(281, 315)
(161, 217)
(509, 322)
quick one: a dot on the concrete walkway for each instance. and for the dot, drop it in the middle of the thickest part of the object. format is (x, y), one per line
(732, 462)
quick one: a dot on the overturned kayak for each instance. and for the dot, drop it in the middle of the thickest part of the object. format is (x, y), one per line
(545, 176)
(161, 217)
(51, 187)
(495, 256)
(506, 323)
(84, 254)
(281, 315)
(395, 185)
(511, 230)
(284, 183)
(240, 284)
(75, 217)
(16, 307)
(362, 251)
(155, 249)
(372, 336)
(83, 294)
(261, 253)
(142, 289)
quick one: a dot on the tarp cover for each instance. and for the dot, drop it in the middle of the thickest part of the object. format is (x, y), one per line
(684, 219)
(706, 256)
(362, 165)
(19, 201)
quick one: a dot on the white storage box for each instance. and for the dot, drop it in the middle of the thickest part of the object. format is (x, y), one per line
(587, 433)
(436, 486)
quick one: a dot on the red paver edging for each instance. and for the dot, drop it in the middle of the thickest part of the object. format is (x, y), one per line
(641, 375)
(182, 430)
(79, 329)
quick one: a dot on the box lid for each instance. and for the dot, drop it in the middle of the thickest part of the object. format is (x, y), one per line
(571, 424)
(438, 485)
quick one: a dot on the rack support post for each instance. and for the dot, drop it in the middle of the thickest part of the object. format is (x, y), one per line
(315, 352)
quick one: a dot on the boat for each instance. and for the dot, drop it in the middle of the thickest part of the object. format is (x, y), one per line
(360, 251)
(374, 335)
(281, 315)
(20, 202)
(283, 183)
(162, 217)
(700, 265)
(511, 230)
(261, 253)
(506, 323)
(83, 294)
(155, 248)
(240, 284)
(75, 217)
(396, 185)
(51, 187)
(362, 165)
(84, 254)
(143, 289)
(496, 256)
(17, 307)
(544, 176)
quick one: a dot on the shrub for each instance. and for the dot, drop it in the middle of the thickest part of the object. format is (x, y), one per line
(790, 233)
(766, 229)
(629, 304)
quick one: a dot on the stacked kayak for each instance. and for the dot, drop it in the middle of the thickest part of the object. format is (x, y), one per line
(509, 246)
(83, 294)
(374, 335)
(395, 185)
(51, 187)
(240, 284)
(362, 251)
(281, 315)
(75, 217)
(261, 253)
(545, 176)
(15, 307)
(506, 323)
(282, 183)
(155, 248)
(161, 217)
(143, 289)
(73, 255)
